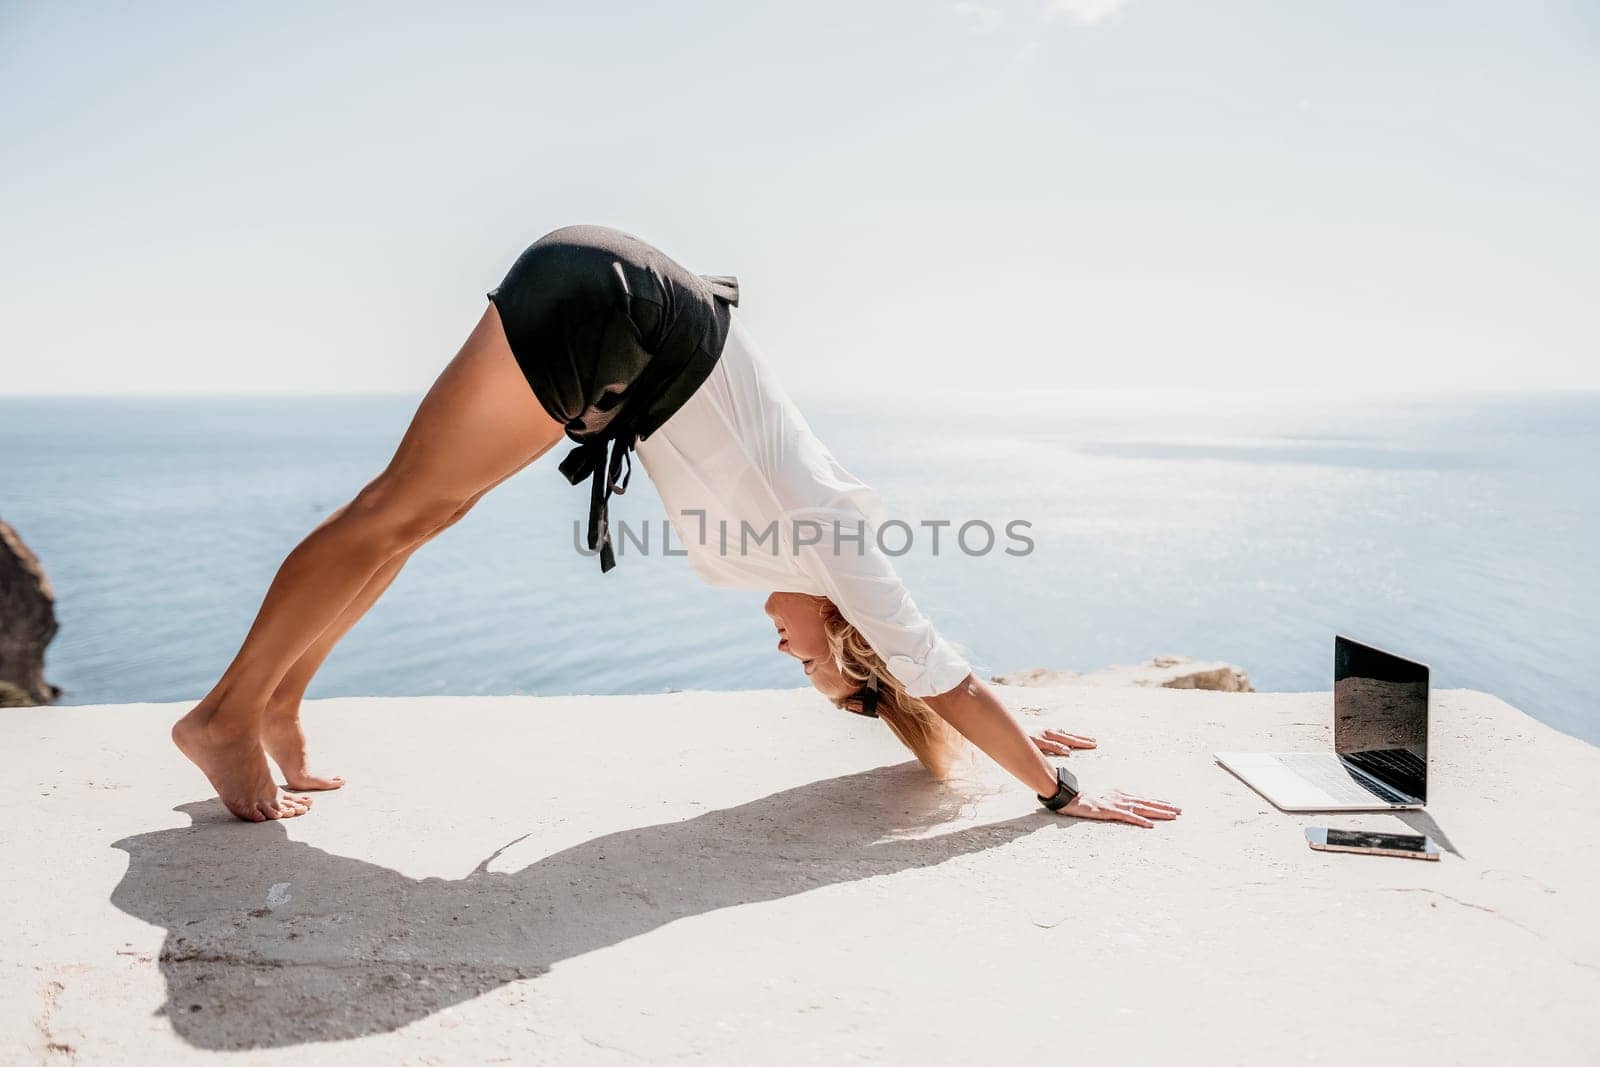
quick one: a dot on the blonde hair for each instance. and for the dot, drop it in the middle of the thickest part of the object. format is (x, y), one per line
(937, 744)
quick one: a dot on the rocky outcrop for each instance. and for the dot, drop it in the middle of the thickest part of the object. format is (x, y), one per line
(27, 623)
(1162, 672)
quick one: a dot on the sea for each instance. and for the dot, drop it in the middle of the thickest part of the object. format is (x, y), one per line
(1462, 530)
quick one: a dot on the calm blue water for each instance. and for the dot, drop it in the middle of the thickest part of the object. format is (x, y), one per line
(1461, 531)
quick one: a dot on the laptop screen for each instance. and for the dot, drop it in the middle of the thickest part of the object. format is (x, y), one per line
(1380, 715)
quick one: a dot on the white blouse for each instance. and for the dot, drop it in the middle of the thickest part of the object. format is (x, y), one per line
(758, 502)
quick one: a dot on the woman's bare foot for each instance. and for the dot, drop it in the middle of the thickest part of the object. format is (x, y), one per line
(237, 769)
(285, 742)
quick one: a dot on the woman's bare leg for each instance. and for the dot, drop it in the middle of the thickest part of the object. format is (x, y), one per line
(281, 732)
(479, 424)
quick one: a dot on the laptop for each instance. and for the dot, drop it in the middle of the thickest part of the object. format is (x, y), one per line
(1379, 760)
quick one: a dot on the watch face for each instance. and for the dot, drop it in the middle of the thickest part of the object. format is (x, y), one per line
(1066, 790)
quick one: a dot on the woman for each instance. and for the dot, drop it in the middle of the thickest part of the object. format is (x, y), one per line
(599, 337)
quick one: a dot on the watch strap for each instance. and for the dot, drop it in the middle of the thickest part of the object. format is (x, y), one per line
(1066, 790)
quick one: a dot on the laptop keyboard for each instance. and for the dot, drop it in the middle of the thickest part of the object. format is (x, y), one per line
(1401, 762)
(1328, 775)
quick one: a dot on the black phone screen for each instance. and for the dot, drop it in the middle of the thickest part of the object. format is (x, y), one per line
(1360, 839)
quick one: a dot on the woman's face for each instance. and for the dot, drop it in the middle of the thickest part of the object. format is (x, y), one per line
(799, 621)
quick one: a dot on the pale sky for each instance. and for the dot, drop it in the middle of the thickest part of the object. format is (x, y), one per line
(305, 198)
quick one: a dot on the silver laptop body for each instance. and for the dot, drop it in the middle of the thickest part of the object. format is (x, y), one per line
(1380, 741)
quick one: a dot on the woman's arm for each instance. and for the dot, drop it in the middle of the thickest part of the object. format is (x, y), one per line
(977, 714)
(863, 585)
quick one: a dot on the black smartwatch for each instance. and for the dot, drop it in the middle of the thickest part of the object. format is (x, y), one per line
(1066, 791)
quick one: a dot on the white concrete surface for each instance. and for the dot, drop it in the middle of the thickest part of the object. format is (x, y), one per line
(759, 878)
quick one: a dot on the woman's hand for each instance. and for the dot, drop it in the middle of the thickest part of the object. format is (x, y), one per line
(1053, 742)
(1118, 806)
(974, 710)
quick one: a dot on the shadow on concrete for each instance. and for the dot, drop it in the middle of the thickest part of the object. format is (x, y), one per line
(272, 942)
(1421, 822)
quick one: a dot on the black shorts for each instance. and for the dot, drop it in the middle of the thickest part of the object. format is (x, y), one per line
(612, 335)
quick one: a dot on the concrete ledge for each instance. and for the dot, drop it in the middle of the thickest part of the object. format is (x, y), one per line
(759, 878)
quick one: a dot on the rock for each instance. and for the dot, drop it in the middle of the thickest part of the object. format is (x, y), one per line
(1162, 672)
(1039, 676)
(27, 623)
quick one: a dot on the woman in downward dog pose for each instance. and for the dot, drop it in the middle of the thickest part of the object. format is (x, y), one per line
(598, 337)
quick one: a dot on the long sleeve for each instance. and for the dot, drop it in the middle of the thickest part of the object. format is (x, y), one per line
(861, 581)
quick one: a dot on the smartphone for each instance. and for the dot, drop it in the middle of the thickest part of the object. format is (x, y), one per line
(1410, 846)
